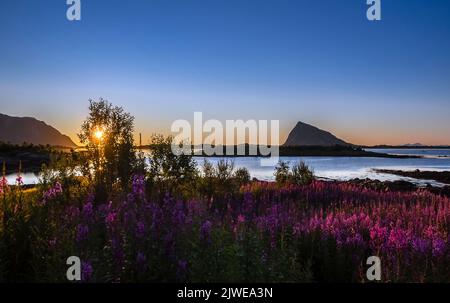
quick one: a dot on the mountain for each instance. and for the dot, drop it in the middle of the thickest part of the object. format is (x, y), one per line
(413, 145)
(307, 135)
(17, 130)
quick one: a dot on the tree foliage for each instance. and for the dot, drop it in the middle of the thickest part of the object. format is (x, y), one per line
(299, 174)
(107, 133)
(173, 172)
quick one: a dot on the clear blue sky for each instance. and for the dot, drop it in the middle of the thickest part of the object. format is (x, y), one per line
(319, 61)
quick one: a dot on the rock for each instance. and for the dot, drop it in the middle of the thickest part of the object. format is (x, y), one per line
(307, 135)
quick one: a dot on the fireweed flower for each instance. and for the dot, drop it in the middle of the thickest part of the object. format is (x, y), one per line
(52, 193)
(439, 247)
(169, 244)
(157, 216)
(269, 224)
(181, 270)
(86, 271)
(58, 188)
(355, 240)
(3, 181)
(248, 204)
(140, 230)
(238, 222)
(378, 232)
(404, 229)
(138, 186)
(129, 218)
(110, 219)
(205, 231)
(178, 216)
(421, 245)
(398, 238)
(82, 233)
(88, 211)
(71, 213)
(117, 252)
(3, 185)
(19, 180)
(131, 198)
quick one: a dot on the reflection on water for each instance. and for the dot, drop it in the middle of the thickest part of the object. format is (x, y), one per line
(27, 178)
(346, 168)
(336, 168)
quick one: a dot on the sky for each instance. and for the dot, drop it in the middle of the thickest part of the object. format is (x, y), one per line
(317, 61)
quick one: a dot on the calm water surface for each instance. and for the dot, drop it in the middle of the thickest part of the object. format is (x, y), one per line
(338, 168)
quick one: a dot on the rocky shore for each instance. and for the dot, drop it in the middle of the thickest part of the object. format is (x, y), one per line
(31, 158)
(438, 176)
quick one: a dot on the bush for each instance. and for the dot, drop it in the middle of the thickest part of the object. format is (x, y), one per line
(242, 176)
(222, 180)
(299, 174)
(282, 172)
(168, 171)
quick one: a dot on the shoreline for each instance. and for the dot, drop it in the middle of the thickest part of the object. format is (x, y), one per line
(438, 176)
(372, 184)
(27, 162)
(33, 157)
(296, 151)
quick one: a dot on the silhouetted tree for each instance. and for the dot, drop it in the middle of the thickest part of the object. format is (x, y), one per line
(108, 135)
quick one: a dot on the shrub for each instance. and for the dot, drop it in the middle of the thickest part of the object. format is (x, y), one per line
(282, 172)
(168, 171)
(242, 176)
(299, 174)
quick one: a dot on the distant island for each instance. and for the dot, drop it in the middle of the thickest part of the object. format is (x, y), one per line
(407, 146)
(307, 135)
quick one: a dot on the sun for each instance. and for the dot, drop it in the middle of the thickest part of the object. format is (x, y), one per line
(98, 134)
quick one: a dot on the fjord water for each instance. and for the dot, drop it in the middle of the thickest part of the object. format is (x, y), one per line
(338, 168)
(346, 168)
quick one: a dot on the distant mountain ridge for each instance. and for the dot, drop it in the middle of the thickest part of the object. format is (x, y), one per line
(307, 135)
(414, 145)
(18, 130)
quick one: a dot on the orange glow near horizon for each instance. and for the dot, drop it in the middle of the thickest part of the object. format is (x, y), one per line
(362, 137)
